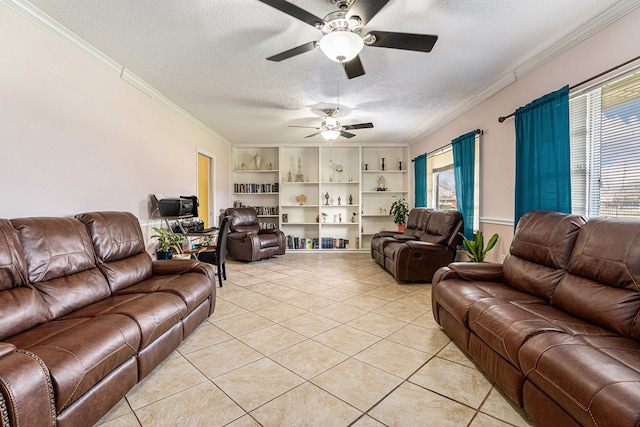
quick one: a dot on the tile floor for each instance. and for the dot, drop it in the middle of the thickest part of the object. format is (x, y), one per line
(317, 340)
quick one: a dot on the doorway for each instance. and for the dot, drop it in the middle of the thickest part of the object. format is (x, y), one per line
(205, 166)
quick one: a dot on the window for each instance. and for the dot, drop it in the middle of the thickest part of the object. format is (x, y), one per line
(441, 182)
(605, 148)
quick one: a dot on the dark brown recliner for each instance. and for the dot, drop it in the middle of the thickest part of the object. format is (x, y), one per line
(247, 241)
(428, 243)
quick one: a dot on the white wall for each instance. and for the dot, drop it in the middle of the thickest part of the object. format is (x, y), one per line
(76, 137)
(611, 46)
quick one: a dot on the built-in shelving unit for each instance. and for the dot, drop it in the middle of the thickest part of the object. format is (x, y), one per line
(325, 198)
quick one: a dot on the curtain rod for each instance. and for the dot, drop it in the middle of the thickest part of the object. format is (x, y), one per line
(503, 118)
(477, 132)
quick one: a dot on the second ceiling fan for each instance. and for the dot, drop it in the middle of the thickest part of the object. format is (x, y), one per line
(344, 35)
(331, 129)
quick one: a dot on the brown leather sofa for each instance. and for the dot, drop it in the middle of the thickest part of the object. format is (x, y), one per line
(428, 242)
(557, 325)
(85, 314)
(247, 241)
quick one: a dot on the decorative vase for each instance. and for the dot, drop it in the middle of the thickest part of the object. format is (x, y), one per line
(257, 160)
(164, 255)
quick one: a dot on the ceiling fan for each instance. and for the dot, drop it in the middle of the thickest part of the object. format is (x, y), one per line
(331, 129)
(344, 35)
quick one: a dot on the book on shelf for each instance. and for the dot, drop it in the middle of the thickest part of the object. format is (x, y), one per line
(334, 243)
(253, 188)
(296, 242)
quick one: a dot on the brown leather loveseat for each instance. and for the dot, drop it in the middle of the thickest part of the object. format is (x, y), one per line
(247, 241)
(85, 314)
(557, 326)
(428, 242)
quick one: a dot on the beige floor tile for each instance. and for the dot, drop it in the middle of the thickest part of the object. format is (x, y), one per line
(357, 383)
(121, 409)
(337, 294)
(311, 302)
(379, 279)
(426, 321)
(224, 310)
(205, 336)
(428, 340)
(401, 311)
(244, 281)
(243, 324)
(366, 302)
(458, 382)
(272, 339)
(421, 299)
(367, 421)
(306, 405)
(167, 379)
(358, 287)
(482, 420)
(224, 357)
(203, 405)
(394, 358)
(453, 353)
(310, 324)
(127, 420)
(309, 358)
(500, 406)
(245, 421)
(341, 312)
(390, 292)
(411, 406)
(257, 383)
(280, 312)
(256, 302)
(377, 324)
(346, 339)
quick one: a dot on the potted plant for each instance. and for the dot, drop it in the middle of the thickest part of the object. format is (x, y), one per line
(475, 249)
(399, 210)
(166, 240)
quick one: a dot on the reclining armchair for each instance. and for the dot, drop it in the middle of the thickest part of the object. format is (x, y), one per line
(246, 241)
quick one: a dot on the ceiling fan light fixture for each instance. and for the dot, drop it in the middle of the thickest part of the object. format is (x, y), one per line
(341, 46)
(330, 135)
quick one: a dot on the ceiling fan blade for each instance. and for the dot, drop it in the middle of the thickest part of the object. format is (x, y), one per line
(406, 41)
(366, 9)
(354, 68)
(306, 127)
(346, 134)
(292, 52)
(358, 126)
(295, 11)
(313, 134)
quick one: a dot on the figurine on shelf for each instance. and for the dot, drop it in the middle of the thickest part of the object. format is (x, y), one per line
(353, 217)
(285, 217)
(340, 218)
(339, 201)
(301, 199)
(382, 164)
(270, 166)
(326, 198)
(299, 175)
(257, 160)
(350, 199)
(399, 166)
(382, 184)
(366, 166)
(242, 166)
(324, 218)
(289, 177)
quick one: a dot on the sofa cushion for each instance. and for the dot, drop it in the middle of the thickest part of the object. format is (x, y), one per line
(540, 251)
(154, 313)
(440, 225)
(597, 388)
(602, 286)
(60, 263)
(13, 267)
(243, 220)
(80, 352)
(119, 247)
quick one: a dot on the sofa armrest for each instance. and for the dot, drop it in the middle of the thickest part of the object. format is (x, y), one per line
(384, 234)
(268, 231)
(26, 391)
(404, 237)
(484, 271)
(237, 235)
(175, 266)
(6, 348)
(427, 247)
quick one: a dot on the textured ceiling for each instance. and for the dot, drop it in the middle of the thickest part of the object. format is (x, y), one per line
(208, 57)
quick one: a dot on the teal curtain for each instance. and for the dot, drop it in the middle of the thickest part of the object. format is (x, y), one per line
(420, 177)
(543, 176)
(464, 159)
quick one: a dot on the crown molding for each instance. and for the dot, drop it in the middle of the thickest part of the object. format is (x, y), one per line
(597, 24)
(53, 27)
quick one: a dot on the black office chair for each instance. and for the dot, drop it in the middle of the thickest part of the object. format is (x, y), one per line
(218, 256)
